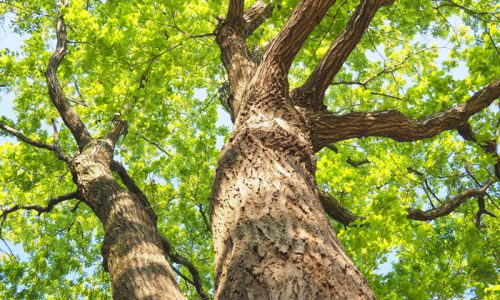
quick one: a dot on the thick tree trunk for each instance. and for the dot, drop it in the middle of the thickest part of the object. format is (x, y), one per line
(271, 237)
(132, 248)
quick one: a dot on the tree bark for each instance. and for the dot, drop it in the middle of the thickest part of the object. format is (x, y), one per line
(132, 248)
(271, 237)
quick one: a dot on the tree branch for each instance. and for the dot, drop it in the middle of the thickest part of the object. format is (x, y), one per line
(231, 38)
(341, 214)
(292, 36)
(133, 188)
(156, 144)
(41, 209)
(195, 275)
(336, 210)
(449, 206)
(55, 148)
(357, 163)
(482, 211)
(350, 161)
(128, 181)
(256, 15)
(489, 146)
(330, 128)
(386, 69)
(313, 90)
(120, 128)
(67, 112)
(235, 10)
(426, 186)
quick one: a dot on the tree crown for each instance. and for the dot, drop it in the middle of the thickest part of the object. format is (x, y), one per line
(157, 64)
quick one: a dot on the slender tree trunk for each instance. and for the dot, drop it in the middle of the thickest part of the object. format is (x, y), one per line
(271, 237)
(132, 248)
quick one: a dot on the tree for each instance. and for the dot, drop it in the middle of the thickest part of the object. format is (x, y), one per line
(338, 107)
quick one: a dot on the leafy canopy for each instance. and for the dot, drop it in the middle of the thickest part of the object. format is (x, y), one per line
(157, 64)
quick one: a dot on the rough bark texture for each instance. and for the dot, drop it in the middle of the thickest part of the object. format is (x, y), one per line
(272, 239)
(330, 128)
(271, 236)
(312, 92)
(132, 248)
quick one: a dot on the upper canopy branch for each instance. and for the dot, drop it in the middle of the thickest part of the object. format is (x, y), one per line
(449, 206)
(67, 112)
(313, 90)
(55, 148)
(292, 36)
(255, 16)
(488, 146)
(235, 10)
(231, 37)
(246, 21)
(41, 209)
(341, 214)
(387, 69)
(329, 128)
(120, 128)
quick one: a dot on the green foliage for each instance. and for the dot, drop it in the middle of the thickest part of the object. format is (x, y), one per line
(150, 62)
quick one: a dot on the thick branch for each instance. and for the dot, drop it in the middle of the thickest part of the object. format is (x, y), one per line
(330, 128)
(482, 211)
(314, 88)
(41, 209)
(235, 10)
(231, 37)
(256, 15)
(60, 154)
(292, 36)
(67, 112)
(335, 210)
(341, 214)
(235, 56)
(195, 275)
(128, 181)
